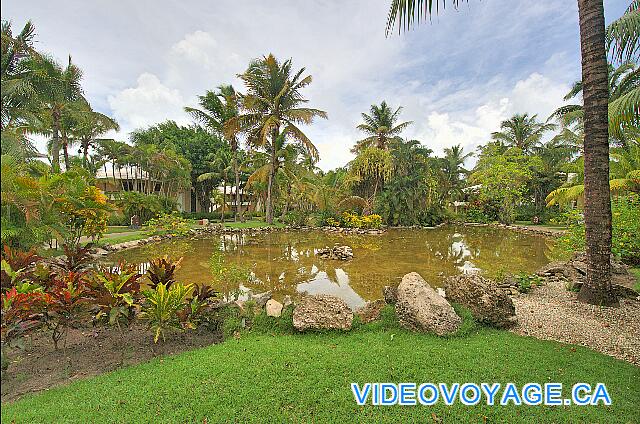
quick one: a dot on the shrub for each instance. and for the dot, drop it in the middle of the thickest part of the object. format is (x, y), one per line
(353, 220)
(296, 217)
(146, 206)
(162, 305)
(526, 282)
(168, 224)
(63, 300)
(626, 227)
(161, 271)
(16, 266)
(116, 291)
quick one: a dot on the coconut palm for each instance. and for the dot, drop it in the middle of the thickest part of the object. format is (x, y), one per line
(88, 126)
(217, 109)
(19, 99)
(271, 108)
(59, 90)
(522, 131)
(380, 126)
(453, 168)
(597, 288)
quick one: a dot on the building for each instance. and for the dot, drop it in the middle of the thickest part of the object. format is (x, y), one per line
(131, 178)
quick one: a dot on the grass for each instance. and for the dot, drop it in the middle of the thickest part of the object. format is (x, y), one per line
(115, 229)
(121, 239)
(273, 375)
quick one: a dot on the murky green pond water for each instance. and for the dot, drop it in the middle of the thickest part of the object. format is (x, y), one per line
(286, 262)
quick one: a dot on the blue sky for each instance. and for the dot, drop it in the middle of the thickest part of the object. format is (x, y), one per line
(456, 77)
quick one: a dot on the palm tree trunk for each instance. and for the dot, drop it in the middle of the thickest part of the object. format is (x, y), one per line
(272, 175)
(65, 151)
(597, 206)
(237, 184)
(85, 152)
(55, 146)
(224, 198)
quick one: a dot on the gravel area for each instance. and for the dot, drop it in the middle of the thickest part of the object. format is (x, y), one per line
(551, 312)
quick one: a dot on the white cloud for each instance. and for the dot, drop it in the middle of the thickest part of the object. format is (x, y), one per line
(149, 102)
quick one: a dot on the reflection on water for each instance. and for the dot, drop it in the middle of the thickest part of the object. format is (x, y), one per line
(287, 264)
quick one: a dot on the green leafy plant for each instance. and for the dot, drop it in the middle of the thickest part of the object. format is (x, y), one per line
(162, 305)
(526, 282)
(162, 271)
(168, 224)
(625, 243)
(116, 293)
(64, 297)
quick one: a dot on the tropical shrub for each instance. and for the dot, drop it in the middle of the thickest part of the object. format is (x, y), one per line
(145, 206)
(625, 242)
(296, 217)
(162, 271)
(353, 220)
(115, 294)
(17, 266)
(168, 224)
(161, 307)
(64, 298)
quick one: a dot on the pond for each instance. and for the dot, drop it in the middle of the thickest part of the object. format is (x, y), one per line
(285, 262)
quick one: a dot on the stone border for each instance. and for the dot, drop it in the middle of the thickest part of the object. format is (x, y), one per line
(519, 228)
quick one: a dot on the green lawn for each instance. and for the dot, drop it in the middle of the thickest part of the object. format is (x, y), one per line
(115, 229)
(274, 376)
(121, 239)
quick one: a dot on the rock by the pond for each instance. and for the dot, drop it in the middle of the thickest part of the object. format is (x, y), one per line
(287, 301)
(390, 294)
(371, 311)
(420, 308)
(574, 272)
(488, 303)
(322, 311)
(260, 299)
(342, 253)
(273, 308)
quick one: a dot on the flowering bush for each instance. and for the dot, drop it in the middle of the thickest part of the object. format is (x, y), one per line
(168, 223)
(353, 220)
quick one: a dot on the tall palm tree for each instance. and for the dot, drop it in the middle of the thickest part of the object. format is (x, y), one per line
(273, 107)
(59, 89)
(19, 100)
(597, 288)
(380, 126)
(453, 167)
(217, 110)
(89, 126)
(522, 131)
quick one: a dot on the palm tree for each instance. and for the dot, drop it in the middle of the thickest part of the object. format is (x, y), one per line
(59, 89)
(19, 99)
(521, 131)
(89, 125)
(453, 167)
(597, 288)
(273, 107)
(380, 126)
(217, 110)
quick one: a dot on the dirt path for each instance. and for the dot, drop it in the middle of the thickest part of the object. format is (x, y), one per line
(551, 312)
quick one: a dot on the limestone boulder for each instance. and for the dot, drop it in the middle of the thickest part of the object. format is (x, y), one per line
(420, 308)
(322, 311)
(487, 302)
(273, 308)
